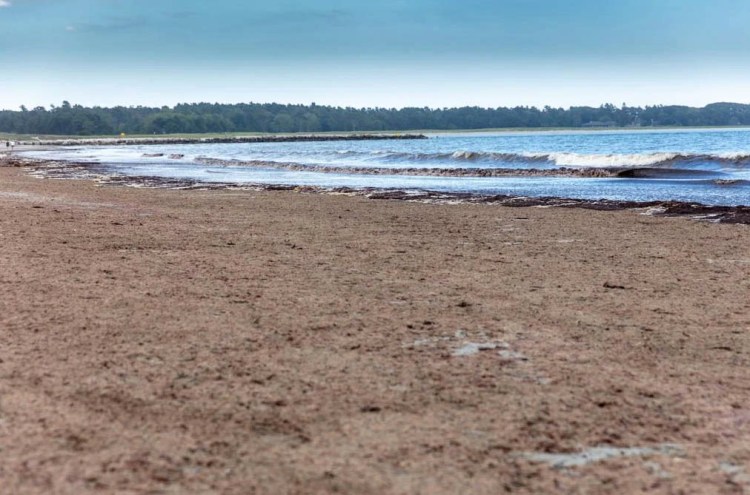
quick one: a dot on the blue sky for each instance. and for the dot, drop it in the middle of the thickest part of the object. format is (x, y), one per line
(374, 53)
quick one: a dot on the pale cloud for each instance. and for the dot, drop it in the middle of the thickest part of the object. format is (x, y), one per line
(110, 24)
(5, 3)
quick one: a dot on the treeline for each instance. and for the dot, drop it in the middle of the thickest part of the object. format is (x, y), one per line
(68, 119)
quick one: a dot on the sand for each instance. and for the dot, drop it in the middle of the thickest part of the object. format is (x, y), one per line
(171, 341)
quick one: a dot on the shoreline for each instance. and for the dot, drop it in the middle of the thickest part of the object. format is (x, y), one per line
(60, 169)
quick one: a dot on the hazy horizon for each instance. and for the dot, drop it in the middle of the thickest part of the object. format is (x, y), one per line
(390, 54)
(539, 107)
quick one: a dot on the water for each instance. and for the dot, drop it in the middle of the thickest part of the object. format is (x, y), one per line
(704, 166)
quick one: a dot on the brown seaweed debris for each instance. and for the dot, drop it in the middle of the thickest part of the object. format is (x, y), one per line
(729, 182)
(715, 214)
(719, 214)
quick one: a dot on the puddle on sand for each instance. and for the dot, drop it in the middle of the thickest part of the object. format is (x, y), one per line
(657, 470)
(461, 347)
(55, 201)
(472, 348)
(21, 195)
(737, 473)
(739, 261)
(598, 454)
(509, 355)
(468, 348)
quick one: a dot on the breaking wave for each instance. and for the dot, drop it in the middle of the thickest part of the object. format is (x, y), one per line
(582, 172)
(397, 159)
(563, 159)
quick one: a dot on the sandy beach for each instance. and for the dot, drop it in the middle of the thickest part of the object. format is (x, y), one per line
(229, 341)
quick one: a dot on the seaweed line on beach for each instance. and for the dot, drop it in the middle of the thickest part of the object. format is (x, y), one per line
(56, 169)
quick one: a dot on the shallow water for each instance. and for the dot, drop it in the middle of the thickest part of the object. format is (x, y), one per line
(598, 454)
(705, 166)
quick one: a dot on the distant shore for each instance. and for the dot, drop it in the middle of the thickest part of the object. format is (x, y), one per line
(250, 137)
(285, 118)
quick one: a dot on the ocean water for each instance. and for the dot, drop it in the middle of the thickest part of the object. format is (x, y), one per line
(709, 166)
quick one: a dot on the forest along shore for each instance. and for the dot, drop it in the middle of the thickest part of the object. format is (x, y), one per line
(234, 341)
(287, 138)
(76, 120)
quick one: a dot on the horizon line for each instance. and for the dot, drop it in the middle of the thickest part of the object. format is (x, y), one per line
(52, 106)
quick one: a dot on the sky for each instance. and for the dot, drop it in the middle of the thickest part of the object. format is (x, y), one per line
(367, 53)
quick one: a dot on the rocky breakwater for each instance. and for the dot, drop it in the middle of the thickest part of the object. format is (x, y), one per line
(286, 138)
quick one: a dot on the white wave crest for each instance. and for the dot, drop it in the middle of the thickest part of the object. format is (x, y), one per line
(734, 155)
(608, 160)
(465, 155)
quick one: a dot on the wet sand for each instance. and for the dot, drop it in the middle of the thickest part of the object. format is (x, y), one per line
(242, 341)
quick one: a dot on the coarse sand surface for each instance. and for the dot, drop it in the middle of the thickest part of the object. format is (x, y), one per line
(173, 341)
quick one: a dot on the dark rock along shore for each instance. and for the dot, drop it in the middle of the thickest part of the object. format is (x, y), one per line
(220, 140)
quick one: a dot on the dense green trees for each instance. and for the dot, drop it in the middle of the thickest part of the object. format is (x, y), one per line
(68, 119)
